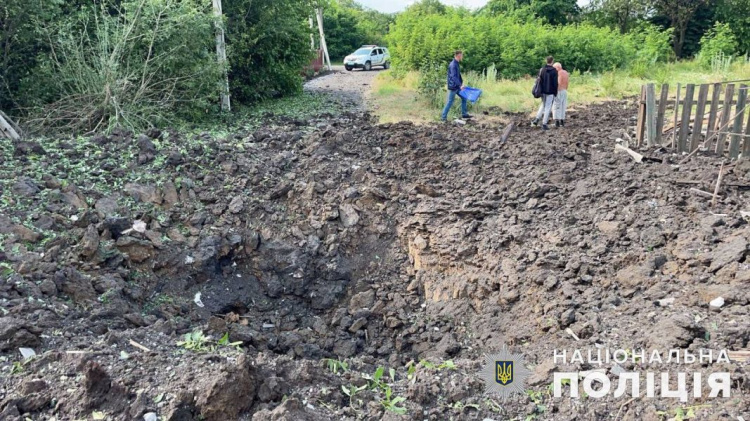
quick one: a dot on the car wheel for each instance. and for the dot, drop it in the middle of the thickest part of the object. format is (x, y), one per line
(368, 66)
(387, 65)
(348, 68)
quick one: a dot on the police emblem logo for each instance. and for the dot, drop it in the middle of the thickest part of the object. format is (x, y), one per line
(504, 373)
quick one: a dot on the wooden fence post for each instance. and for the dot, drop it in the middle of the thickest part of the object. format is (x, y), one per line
(699, 112)
(676, 113)
(640, 127)
(726, 111)
(687, 110)
(660, 114)
(746, 144)
(711, 128)
(734, 144)
(651, 114)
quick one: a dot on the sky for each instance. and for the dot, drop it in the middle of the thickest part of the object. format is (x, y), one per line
(391, 6)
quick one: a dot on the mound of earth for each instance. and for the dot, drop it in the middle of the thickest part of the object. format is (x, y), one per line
(334, 268)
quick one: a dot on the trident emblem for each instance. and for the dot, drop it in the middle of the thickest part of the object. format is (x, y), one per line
(504, 374)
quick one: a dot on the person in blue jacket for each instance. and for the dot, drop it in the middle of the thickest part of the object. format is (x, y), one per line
(455, 85)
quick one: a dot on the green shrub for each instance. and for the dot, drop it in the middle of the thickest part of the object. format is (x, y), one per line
(135, 67)
(268, 45)
(515, 47)
(717, 41)
(652, 44)
(432, 83)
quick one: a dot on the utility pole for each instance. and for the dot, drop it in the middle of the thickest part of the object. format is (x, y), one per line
(221, 53)
(319, 13)
(312, 37)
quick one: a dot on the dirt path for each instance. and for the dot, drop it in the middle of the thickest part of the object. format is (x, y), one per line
(351, 89)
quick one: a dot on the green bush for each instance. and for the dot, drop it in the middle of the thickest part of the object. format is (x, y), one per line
(516, 48)
(133, 67)
(21, 43)
(431, 85)
(652, 43)
(268, 45)
(718, 41)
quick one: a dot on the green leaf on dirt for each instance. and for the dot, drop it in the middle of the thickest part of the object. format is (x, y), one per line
(448, 364)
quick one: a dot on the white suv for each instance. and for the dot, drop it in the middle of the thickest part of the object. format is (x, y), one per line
(367, 57)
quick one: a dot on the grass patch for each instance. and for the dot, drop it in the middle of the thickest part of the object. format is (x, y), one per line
(396, 99)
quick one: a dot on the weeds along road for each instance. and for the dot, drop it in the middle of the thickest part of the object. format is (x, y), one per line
(350, 89)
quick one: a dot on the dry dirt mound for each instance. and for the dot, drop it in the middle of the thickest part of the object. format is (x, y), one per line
(335, 246)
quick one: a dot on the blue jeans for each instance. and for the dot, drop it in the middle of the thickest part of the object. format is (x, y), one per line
(545, 108)
(451, 99)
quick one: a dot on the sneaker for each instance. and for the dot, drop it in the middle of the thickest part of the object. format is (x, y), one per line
(534, 122)
(544, 127)
(562, 123)
(467, 116)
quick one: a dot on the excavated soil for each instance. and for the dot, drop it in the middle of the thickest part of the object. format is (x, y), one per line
(332, 246)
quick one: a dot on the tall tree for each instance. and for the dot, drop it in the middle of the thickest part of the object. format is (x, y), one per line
(342, 33)
(621, 14)
(679, 13)
(736, 13)
(427, 7)
(556, 12)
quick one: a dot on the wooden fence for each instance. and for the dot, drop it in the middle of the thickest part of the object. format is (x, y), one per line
(713, 122)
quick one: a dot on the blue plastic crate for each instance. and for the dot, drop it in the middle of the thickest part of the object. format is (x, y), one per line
(470, 94)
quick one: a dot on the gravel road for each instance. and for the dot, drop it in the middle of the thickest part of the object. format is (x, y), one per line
(350, 88)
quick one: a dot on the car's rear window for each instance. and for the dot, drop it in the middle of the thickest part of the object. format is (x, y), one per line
(362, 51)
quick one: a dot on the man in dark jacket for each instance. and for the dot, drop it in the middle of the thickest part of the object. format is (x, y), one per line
(548, 82)
(455, 85)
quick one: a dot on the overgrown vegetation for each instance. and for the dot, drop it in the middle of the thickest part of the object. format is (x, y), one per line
(515, 47)
(81, 66)
(719, 42)
(132, 67)
(268, 45)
